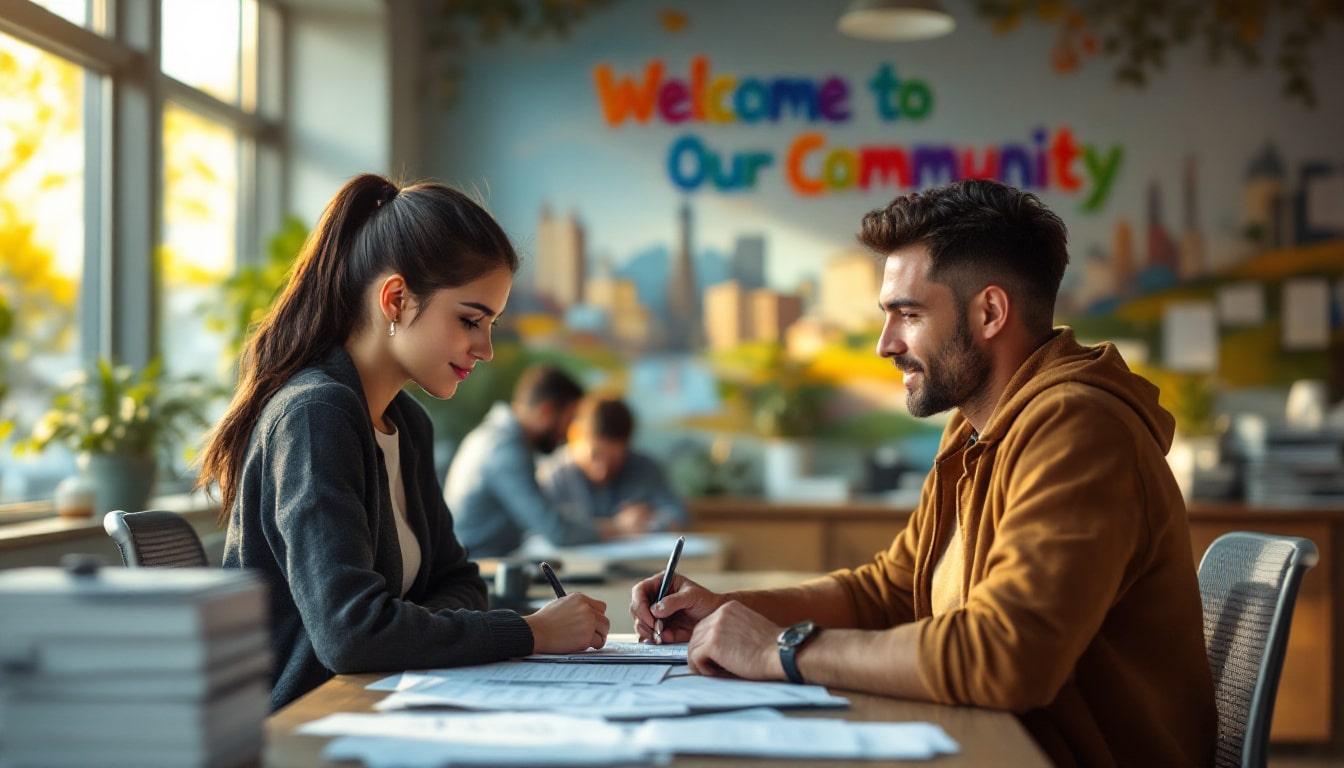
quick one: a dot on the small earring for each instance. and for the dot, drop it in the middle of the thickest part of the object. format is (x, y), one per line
(392, 331)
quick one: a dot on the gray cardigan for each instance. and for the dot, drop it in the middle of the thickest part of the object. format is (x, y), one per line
(314, 517)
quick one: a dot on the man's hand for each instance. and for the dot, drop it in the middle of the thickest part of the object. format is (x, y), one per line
(569, 624)
(736, 641)
(673, 619)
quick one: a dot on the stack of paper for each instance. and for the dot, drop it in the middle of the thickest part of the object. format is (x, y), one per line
(132, 667)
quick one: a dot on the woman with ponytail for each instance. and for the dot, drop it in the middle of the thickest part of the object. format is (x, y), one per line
(325, 466)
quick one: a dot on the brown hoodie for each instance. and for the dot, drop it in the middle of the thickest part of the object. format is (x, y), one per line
(1080, 605)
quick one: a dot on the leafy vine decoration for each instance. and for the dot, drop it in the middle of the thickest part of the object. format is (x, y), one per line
(1139, 34)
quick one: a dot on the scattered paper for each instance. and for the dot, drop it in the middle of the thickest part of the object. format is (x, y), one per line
(412, 740)
(521, 672)
(622, 649)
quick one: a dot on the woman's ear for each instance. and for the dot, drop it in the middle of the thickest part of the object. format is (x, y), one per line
(392, 297)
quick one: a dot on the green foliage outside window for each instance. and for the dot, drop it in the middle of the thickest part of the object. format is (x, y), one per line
(116, 410)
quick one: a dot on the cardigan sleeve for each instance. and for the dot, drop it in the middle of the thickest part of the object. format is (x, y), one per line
(325, 542)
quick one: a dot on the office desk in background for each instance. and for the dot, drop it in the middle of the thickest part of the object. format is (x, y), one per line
(986, 737)
(644, 555)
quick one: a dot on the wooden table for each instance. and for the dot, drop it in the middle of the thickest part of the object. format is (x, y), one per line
(1309, 708)
(986, 737)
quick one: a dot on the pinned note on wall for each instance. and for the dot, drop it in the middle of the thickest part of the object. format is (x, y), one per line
(1190, 337)
(1306, 313)
(1242, 305)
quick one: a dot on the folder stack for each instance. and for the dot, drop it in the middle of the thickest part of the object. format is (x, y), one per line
(132, 667)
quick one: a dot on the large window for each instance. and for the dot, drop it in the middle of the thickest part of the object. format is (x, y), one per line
(115, 243)
(43, 129)
(200, 236)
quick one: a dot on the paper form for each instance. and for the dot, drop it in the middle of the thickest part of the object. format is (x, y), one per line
(519, 672)
(673, 696)
(411, 740)
(415, 740)
(617, 701)
(716, 693)
(621, 649)
(795, 738)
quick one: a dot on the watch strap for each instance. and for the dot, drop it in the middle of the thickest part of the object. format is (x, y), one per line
(788, 659)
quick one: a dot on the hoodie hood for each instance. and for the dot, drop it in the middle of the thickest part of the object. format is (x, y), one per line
(1062, 360)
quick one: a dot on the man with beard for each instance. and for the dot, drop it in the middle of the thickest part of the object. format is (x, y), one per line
(1047, 570)
(491, 488)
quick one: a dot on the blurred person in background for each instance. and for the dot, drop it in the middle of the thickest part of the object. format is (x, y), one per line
(598, 475)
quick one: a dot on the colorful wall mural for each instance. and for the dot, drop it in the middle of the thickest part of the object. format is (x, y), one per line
(685, 180)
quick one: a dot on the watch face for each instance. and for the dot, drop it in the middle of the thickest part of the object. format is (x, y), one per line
(796, 634)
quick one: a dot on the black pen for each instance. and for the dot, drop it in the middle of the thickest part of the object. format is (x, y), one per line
(550, 576)
(666, 585)
(671, 568)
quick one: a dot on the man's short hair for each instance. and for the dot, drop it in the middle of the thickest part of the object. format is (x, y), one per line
(545, 383)
(608, 418)
(980, 232)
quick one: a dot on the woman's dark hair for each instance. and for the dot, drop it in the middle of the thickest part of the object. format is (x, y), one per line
(432, 235)
(980, 232)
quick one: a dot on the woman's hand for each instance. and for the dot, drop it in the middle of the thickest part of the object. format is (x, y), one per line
(672, 619)
(573, 623)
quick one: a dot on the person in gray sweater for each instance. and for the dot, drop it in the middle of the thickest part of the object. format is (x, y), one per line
(492, 480)
(598, 476)
(325, 465)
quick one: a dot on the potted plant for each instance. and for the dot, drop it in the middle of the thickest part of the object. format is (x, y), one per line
(785, 408)
(119, 421)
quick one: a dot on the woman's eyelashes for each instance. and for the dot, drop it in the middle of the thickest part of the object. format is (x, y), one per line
(474, 323)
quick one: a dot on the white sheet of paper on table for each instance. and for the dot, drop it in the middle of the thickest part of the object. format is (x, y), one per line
(520, 672)
(415, 739)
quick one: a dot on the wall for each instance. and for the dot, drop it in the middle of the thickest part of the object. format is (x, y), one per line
(340, 100)
(1159, 185)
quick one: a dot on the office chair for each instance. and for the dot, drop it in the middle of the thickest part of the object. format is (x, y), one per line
(155, 539)
(1248, 582)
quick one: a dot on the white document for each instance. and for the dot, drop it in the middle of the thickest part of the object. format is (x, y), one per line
(709, 694)
(416, 740)
(598, 700)
(472, 727)
(674, 696)
(410, 740)
(387, 752)
(520, 672)
(622, 649)
(795, 738)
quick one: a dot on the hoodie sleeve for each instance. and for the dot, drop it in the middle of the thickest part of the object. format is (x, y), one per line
(882, 592)
(1071, 520)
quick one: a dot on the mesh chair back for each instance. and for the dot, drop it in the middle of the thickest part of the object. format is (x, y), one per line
(155, 539)
(1249, 583)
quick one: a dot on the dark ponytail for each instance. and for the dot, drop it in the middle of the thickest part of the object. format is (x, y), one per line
(432, 235)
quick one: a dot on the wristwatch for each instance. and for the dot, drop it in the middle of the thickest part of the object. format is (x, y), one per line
(790, 640)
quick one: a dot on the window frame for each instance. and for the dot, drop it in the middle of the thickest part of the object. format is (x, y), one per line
(124, 101)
